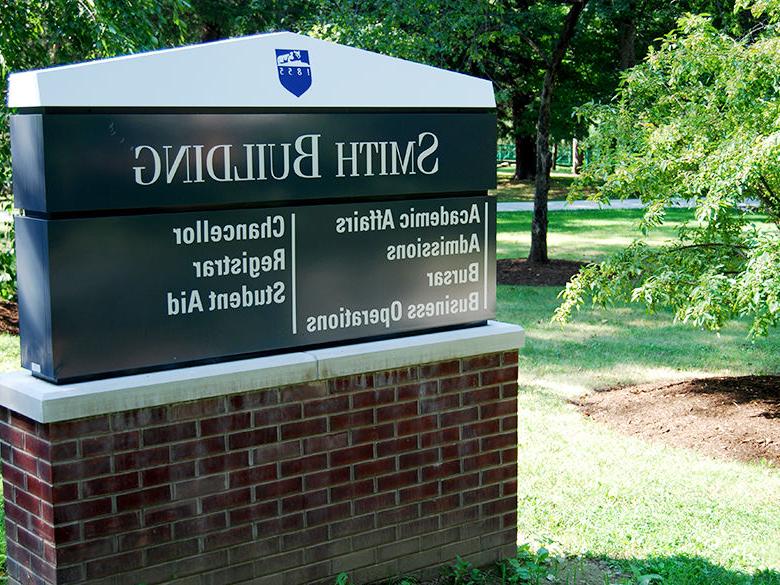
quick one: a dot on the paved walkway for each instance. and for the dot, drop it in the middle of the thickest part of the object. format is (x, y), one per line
(615, 204)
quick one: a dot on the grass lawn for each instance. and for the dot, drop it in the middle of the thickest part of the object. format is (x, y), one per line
(524, 190)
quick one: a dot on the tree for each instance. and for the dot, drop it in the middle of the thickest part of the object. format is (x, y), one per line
(699, 119)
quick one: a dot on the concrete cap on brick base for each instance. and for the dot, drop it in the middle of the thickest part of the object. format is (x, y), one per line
(46, 403)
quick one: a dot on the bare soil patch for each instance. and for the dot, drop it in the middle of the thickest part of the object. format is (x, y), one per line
(731, 418)
(9, 318)
(521, 271)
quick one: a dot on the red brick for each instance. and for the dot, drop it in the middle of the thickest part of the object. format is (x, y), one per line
(197, 409)
(326, 406)
(396, 446)
(350, 491)
(397, 480)
(351, 455)
(172, 513)
(145, 537)
(481, 395)
(169, 473)
(439, 437)
(497, 409)
(80, 510)
(509, 357)
(44, 529)
(375, 503)
(231, 537)
(509, 455)
(278, 414)
(80, 469)
(499, 474)
(304, 501)
(509, 423)
(253, 475)
(351, 383)
(415, 493)
(373, 398)
(201, 486)
(305, 392)
(276, 452)
(460, 516)
(418, 527)
(439, 403)
(113, 565)
(398, 515)
(170, 433)
(374, 433)
(303, 465)
(226, 500)
(267, 490)
(11, 435)
(396, 412)
(306, 538)
(144, 498)
(440, 369)
(135, 419)
(250, 400)
(112, 525)
(441, 470)
(29, 541)
(281, 525)
(198, 448)
(225, 424)
(458, 417)
(482, 461)
(360, 418)
(62, 451)
(499, 441)
(499, 506)
(110, 444)
(483, 494)
(418, 425)
(202, 524)
(326, 478)
(482, 362)
(37, 447)
(39, 489)
(226, 462)
(462, 382)
(78, 428)
(28, 502)
(23, 461)
(327, 514)
(110, 484)
(257, 511)
(458, 484)
(462, 448)
(481, 429)
(375, 467)
(172, 550)
(325, 443)
(418, 390)
(439, 505)
(491, 377)
(296, 430)
(509, 488)
(394, 377)
(509, 390)
(85, 551)
(352, 526)
(418, 458)
(140, 459)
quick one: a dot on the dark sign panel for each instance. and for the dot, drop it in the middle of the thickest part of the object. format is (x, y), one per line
(66, 162)
(112, 294)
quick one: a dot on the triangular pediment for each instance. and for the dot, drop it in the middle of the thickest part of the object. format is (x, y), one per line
(244, 73)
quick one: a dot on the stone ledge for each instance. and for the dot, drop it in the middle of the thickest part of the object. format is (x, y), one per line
(46, 402)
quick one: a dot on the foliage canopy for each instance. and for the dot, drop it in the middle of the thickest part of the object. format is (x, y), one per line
(698, 119)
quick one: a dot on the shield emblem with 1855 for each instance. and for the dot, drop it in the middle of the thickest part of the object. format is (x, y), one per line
(294, 70)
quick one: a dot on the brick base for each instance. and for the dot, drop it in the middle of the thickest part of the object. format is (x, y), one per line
(381, 474)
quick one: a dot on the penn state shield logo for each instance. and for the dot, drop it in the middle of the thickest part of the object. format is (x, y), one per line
(294, 70)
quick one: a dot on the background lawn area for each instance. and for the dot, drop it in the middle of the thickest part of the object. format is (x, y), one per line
(509, 191)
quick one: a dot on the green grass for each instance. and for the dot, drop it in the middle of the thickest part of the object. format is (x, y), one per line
(510, 191)
(586, 235)
(9, 353)
(640, 506)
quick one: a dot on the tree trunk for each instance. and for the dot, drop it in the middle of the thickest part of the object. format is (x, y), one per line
(627, 37)
(576, 156)
(555, 155)
(525, 145)
(538, 251)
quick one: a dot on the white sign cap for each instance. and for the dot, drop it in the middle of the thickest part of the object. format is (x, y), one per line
(250, 72)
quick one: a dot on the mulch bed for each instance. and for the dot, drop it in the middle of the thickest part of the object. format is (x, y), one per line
(521, 271)
(9, 318)
(731, 418)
